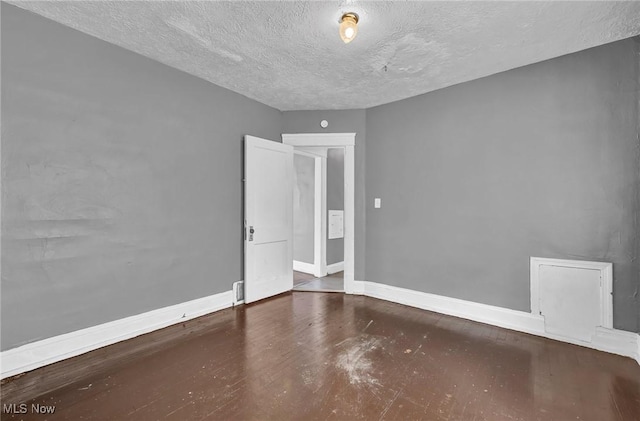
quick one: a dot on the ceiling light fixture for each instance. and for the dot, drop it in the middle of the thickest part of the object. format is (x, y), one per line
(348, 27)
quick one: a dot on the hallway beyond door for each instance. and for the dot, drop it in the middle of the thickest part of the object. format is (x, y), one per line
(330, 283)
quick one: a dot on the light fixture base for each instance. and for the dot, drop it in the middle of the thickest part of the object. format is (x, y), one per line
(350, 15)
(349, 26)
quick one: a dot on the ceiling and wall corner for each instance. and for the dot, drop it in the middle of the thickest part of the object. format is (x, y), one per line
(288, 54)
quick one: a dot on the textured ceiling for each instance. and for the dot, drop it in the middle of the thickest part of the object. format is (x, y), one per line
(288, 54)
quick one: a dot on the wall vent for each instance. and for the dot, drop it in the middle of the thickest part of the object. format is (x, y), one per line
(238, 293)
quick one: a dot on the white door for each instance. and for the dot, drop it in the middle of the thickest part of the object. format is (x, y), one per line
(268, 210)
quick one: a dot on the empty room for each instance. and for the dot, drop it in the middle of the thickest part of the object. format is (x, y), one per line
(314, 210)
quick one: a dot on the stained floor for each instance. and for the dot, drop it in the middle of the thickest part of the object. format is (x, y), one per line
(302, 356)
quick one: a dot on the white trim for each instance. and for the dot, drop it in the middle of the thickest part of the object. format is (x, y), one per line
(319, 219)
(349, 218)
(304, 153)
(616, 341)
(358, 288)
(606, 287)
(319, 139)
(608, 340)
(335, 268)
(304, 267)
(312, 151)
(348, 141)
(484, 313)
(47, 351)
(321, 230)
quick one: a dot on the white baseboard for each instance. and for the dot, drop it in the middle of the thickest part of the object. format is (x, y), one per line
(496, 316)
(304, 267)
(357, 288)
(47, 351)
(335, 268)
(617, 342)
(609, 340)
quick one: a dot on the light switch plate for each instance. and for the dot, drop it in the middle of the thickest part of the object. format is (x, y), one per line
(377, 203)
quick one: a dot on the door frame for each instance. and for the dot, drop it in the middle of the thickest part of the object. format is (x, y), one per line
(319, 218)
(346, 141)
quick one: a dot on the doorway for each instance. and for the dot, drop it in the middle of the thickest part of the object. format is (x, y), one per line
(338, 275)
(308, 198)
(318, 219)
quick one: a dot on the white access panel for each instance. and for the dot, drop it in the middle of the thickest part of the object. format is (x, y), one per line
(336, 224)
(570, 300)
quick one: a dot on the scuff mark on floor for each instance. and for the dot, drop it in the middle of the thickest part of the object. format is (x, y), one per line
(87, 387)
(307, 377)
(353, 360)
(366, 327)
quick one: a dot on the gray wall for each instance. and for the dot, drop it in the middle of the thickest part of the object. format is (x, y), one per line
(345, 121)
(303, 208)
(335, 200)
(537, 161)
(121, 181)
